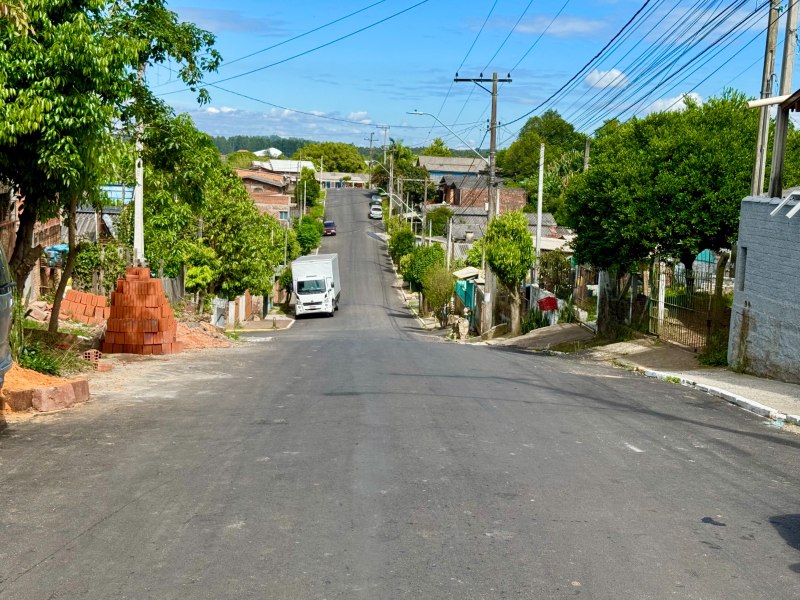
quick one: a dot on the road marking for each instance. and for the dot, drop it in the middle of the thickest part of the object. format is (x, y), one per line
(631, 447)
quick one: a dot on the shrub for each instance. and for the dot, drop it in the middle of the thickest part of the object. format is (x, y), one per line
(534, 320)
(401, 243)
(438, 285)
(422, 259)
(309, 235)
(715, 353)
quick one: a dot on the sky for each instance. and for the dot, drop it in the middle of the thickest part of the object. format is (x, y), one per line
(352, 70)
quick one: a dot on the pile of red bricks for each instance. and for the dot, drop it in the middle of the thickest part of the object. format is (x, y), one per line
(141, 321)
(85, 307)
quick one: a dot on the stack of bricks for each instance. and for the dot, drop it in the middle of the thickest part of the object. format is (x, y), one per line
(85, 307)
(141, 321)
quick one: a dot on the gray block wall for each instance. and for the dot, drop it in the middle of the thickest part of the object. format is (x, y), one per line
(765, 320)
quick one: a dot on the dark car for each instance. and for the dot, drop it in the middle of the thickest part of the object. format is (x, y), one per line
(329, 228)
(6, 302)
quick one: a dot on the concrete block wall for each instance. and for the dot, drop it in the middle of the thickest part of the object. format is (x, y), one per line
(765, 319)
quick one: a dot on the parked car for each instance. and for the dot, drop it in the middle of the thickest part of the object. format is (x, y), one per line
(375, 212)
(375, 202)
(329, 228)
(6, 303)
(375, 198)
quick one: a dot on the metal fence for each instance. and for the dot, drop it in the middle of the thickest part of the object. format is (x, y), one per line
(682, 305)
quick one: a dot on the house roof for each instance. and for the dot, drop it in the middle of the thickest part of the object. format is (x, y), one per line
(547, 220)
(261, 176)
(452, 164)
(339, 176)
(293, 167)
(85, 224)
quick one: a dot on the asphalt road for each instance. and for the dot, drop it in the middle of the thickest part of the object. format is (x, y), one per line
(353, 457)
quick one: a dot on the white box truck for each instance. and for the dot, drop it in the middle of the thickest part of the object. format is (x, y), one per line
(315, 280)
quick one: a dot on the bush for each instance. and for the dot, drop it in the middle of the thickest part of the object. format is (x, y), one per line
(401, 243)
(438, 285)
(438, 219)
(422, 259)
(309, 235)
(715, 353)
(534, 320)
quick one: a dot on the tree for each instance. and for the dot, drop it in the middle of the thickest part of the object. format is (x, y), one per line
(65, 85)
(475, 257)
(241, 159)
(438, 219)
(421, 259)
(438, 285)
(401, 243)
(309, 235)
(333, 156)
(509, 253)
(437, 148)
(671, 183)
(307, 190)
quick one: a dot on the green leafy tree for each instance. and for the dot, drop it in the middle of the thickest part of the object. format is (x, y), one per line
(241, 159)
(671, 183)
(307, 190)
(437, 148)
(475, 257)
(401, 243)
(554, 273)
(509, 253)
(333, 156)
(422, 258)
(309, 235)
(438, 219)
(438, 285)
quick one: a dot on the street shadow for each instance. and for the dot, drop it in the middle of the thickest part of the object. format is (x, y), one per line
(788, 526)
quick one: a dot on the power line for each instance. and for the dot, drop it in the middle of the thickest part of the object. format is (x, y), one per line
(325, 45)
(524, 12)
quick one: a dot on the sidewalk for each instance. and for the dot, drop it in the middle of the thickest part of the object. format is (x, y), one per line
(776, 400)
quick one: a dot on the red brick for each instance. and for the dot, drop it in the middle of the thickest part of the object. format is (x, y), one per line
(147, 349)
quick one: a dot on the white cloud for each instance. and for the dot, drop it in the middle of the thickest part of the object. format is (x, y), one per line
(672, 104)
(607, 79)
(360, 116)
(561, 27)
(213, 110)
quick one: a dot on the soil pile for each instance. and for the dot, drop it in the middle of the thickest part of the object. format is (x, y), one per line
(201, 334)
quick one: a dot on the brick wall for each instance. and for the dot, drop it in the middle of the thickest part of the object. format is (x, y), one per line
(765, 319)
(512, 199)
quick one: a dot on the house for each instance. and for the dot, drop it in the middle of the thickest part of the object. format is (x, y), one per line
(474, 192)
(336, 180)
(291, 169)
(269, 152)
(269, 192)
(454, 166)
(765, 323)
(89, 223)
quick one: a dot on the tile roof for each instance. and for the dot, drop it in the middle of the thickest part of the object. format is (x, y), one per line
(453, 164)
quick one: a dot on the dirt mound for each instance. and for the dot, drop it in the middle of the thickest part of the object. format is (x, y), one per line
(19, 378)
(200, 334)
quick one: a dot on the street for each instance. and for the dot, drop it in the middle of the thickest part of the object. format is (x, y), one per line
(355, 457)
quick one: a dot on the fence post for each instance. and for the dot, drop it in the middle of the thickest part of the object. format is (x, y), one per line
(662, 293)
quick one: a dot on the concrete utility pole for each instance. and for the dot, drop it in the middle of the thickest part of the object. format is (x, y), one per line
(385, 133)
(487, 314)
(757, 185)
(138, 190)
(782, 118)
(586, 153)
(391, 182)
(535, 281)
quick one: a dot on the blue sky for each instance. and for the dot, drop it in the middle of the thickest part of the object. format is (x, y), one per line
(398, 63)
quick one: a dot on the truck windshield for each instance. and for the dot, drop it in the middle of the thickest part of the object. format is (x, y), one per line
(312, 286)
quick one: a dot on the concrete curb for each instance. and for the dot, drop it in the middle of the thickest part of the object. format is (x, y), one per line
(750, 405)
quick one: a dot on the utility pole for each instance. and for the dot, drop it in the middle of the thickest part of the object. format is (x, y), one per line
(391, 182)
(138, 190)
(757, 185)
(586, 152)
(487, 314)
(782, 118)
(385, 133)
(371, 135)
(535, 281)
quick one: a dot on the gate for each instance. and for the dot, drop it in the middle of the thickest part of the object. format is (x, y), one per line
(681, 305)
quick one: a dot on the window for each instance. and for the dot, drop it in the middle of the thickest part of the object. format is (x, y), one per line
(742, 260)
(283, 215)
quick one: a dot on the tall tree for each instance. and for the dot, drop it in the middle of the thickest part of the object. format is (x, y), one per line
(437, 148)
(333, 156)
(509, 254)
(671, 183)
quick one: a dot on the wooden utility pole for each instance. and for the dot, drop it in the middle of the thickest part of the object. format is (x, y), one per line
(782, 118)
(757, 185)
(487, 314)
